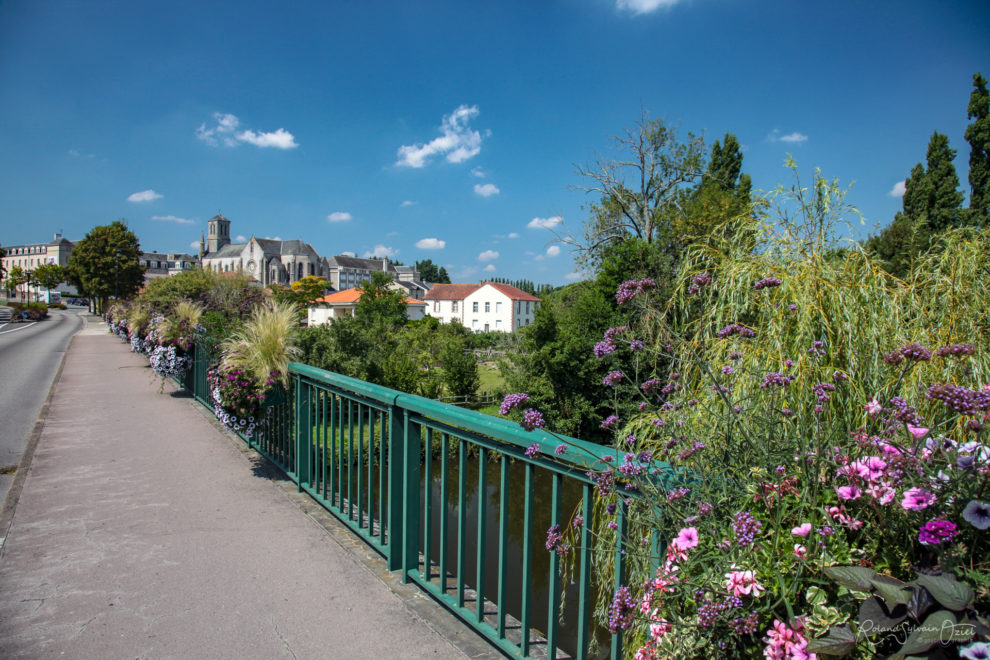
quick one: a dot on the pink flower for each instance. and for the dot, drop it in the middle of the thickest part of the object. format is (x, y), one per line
(800, 551)
(802, 530)
(686, 539)
(873, 407)
(848, 492)
(917, 432)
(882, 493)
(743, 582)
(787, 643)
(916, 499)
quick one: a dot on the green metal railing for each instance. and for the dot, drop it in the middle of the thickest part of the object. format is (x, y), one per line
(450, 499)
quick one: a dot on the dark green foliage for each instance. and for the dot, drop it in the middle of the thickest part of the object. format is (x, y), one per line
(725, 164)
(431, 272)
(105, 261)
(49, 275)
(978, 136)
(380, 305)
(944, 200)
(460, 371)
(899, 244)
(189, 285)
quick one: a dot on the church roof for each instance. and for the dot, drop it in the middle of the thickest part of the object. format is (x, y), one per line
(343, 261)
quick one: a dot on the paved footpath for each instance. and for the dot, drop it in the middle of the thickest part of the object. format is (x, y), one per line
(144, 531)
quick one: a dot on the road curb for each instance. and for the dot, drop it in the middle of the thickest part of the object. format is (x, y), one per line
(14, 494)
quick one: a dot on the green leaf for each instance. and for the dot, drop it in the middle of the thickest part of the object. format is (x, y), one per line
(839, 641)
(816, 596)
(937, 628)
(874, 617)
(852, 577)
(892, 591)
(951, 594)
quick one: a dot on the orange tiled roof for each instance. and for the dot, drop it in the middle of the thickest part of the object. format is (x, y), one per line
(353, 295)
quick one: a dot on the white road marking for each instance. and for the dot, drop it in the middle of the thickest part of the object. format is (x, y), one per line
(6, 332)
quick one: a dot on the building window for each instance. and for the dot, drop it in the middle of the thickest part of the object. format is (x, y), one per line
(488, 307)
(498, 308)
(436, 305)
(453, 306)
(527, 321)
(486, 327)
(474, 323)
(498, 324)
(474, 307)
(527, 307)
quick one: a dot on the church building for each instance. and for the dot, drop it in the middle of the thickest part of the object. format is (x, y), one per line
(266, 260)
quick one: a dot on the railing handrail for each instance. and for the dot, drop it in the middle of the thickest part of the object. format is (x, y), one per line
(588, 455)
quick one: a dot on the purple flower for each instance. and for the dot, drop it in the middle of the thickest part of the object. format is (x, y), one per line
(603, 348)
(609, 421)
(767, 283)
(955, 350)
(532, 419)
(560, 449)
(622, 610)
(746, 528)
(636, 345)
(735, 329)
(936, 532)
(977, 514)
(613, 378)
(848, 492)
(533, 450)
(511, 401)
(632, 288)
(578, 520)
(775, 379)
(975, 651)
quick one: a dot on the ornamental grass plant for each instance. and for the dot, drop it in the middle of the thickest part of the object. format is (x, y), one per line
(264, 345)
(811, 474)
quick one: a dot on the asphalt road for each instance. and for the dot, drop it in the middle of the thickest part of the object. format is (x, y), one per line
(29, 357)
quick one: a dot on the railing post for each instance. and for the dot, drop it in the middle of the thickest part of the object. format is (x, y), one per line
(411, 503)
(396, 462)
(304, 431)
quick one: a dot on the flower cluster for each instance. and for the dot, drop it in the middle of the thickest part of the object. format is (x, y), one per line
(167, 362)
(632, 288)
(735, 329)
(767, 283)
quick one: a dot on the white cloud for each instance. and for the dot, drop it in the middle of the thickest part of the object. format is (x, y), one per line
(339, 216)
(272, 238)
(280, 139)
(513, 235)
(490, 268)
(74, 153)
(144, 196)
(348, 253)
(545, 223)
(431, 244)
(898, 190)
(172, 218)
(488, 255)
(380, 251)
(553, 251)
(194, 245)
(225, 131)
(486, 189)
(573, 277)
(226, 124)
(478, 172)
(406, 203)
(794, 137)
(458, 142)
(644, 6)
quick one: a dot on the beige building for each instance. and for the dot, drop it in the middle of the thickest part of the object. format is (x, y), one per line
(28, 257)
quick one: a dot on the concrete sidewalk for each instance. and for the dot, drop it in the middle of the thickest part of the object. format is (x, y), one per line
(144, 531)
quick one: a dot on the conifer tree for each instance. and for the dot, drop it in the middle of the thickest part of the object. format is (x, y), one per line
(978, 136)
(944, 200)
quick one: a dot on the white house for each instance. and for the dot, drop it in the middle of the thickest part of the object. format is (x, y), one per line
(484, 307)
(343, 303)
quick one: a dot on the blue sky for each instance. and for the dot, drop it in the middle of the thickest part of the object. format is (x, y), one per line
(449, 130)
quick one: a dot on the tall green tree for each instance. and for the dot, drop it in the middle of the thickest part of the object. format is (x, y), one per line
(978, 136)
(431, 272)
(16, 278)
(106, 262)
(379, 304)
(944, 199)
(641, 190)
(49, 276)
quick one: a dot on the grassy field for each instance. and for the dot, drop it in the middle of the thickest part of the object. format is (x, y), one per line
(491, 379)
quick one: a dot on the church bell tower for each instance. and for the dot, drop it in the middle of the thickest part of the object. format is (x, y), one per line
(218, 233)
